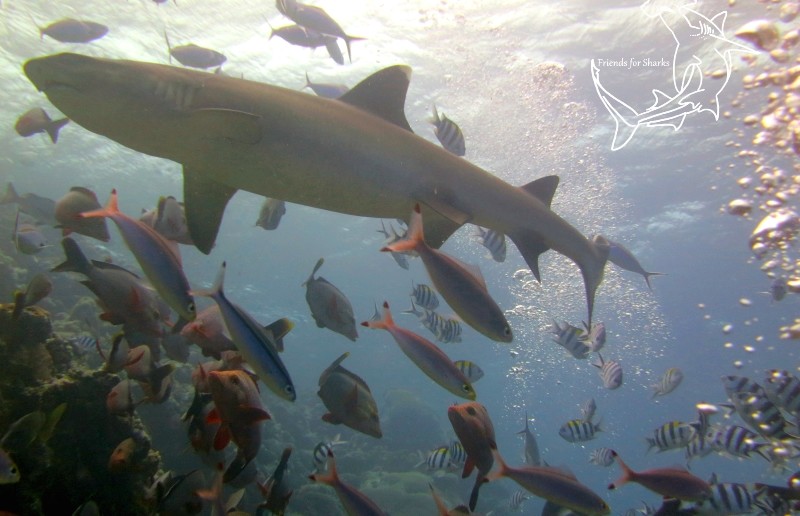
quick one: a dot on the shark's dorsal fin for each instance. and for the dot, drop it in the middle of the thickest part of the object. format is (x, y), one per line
(205, 201)
(543, 189)
(383, 94)
(661, 98)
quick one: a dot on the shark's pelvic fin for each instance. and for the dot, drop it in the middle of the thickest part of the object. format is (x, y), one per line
(530, 246)
(204, 201)
(383, 94)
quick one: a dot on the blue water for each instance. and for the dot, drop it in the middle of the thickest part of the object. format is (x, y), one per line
(486, 67)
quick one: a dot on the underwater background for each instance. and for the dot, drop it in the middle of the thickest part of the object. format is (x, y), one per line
(515, 76)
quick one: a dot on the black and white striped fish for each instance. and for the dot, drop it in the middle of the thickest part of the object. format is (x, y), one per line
(569, 337)
(84, 344)
(516, 500)
(671, 436)
(470, 370)
(588, 409)
(727, 498)
(669, 382)
(735, 440)
(578, 430)
(751, 402)
(445, 329)
(602, 457)
(783, 388)
(494, 242)
(321, 450)
(610, 372)
(400, 258)
(437, 459)
(595, 337)
(458, 456)
(448, 133)
(423, 295)
(700, 446)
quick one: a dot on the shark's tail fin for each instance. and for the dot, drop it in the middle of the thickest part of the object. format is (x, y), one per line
(622, 113)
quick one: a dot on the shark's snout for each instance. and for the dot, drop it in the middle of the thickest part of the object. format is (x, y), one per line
(56, 70)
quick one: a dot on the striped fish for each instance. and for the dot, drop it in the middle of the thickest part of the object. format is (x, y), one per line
(669, 382)
(610, 372)
(601, 457)
(494, 242)
(700, 446)
(588, 409)
(400, 258)
(735, 440)
(445, 329)
(448, 133)
(595, 337)
(783, 388)
(578, 430)
(321, 450)
(437, 459)
(761, 415)
(671, 436)
(84, 343)
(424, 296)
(727, 498)
(569, 337)
(516, 500)
(470, 370)
(458, 456)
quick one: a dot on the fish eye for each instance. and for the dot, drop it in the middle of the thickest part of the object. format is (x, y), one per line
(235, 380)
(507, 331)
(191, 308)
(471, 411)
(466, 387)
(288, 389)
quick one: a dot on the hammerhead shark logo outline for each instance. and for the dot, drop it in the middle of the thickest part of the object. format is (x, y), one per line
(691, 94)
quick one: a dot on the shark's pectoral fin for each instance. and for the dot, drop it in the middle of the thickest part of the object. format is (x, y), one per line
(229, 124)
(530, 246)
(204, 202)
(383, 94)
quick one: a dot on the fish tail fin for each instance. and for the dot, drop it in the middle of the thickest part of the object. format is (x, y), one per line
(76, 260)
(414, 236)
(627, 473)
(55, 126)
(473, 496)
(592, 270)
(217, 288)
(648, 274)
(10, 196)
(313, 272)
(384, 323)
(619, 111)
(112, 208)
(500, 471)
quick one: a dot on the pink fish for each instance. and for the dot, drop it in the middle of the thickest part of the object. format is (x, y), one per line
(673, 482)
(36, 121)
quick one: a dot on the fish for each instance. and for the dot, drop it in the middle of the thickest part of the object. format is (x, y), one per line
(348, 400)
(42, 209)
(783, 388)
(315, 19)
(553, 484)
(494, 242)
(9, 471)
(610, 372)
(120, 399)
(777, 290)
(570, 338)
(531, 448)
(320, 452)
(330, 308)
(475, 432)
(69, 30)
(669, 382)
(445, 329)
(423, 295)
(36, 120)
(672, 482)
(195, 56)
(303, 37)
(128, 454)
(620, 256)
(308, 167)
(84, 343)
(238, 410)
(578, 430)
(727, 498)
(452, 139)
(160, 262)
(327, 90)
(469, 369)
(516, 500)
(761, 414)
(442, 509)
(735, 441)
(169, 220)
(462, 286)
(400, 258)
(670, 436)
(354, 502)
(437, 459)
(258, 345)
(588, 409)
(272, 210)
(122, 294)
(27, 238)
(595, 336)
(208, 331)
(700, 446)
(179, 496)
(426, 355)
(76, 201)
(275, 491)
(601, 457)
(39, 287)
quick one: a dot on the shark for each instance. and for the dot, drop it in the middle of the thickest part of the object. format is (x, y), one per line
(355, 155)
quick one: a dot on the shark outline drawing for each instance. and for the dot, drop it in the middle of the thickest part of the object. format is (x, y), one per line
(691, 94)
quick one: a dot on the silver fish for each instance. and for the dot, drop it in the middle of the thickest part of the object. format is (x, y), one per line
(450, 136)
(602, 457)
(170, 220)
(315, 19)
(195, 56)
(610, 372)
(75, 202)
(623, 258)
(39, 287)
(36, 121)
(531, 447)
(330, 308)
(27, 238)
(669, 382)
(494, 242)
(69, 30)
(40, 208)
(272, 210)
(588, 409)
